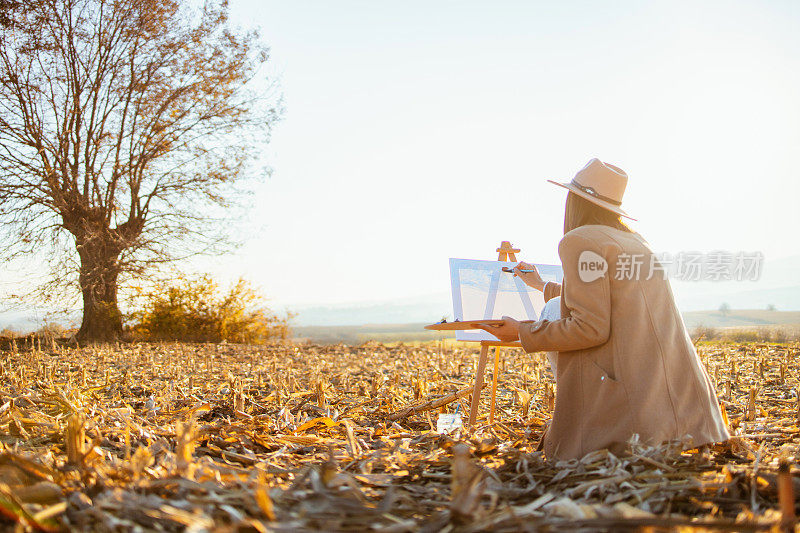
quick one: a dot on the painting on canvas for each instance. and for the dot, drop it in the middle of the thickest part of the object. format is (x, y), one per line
(481, 290)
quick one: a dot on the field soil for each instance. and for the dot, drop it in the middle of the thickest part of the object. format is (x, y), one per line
(193, 437)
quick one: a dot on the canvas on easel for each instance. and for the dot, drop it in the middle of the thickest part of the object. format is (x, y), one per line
(484, 293)
(481, 290)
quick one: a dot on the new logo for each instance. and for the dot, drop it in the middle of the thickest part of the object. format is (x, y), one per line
(591, 266)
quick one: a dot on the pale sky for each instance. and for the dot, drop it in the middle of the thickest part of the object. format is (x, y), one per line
(419, 131)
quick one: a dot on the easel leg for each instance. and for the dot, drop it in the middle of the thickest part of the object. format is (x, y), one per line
(476, 392)
(494, 382)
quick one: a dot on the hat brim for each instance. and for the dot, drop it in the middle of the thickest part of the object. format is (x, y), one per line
(602, 203)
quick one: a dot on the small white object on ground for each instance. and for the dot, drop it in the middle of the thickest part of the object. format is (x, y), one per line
(448, 422)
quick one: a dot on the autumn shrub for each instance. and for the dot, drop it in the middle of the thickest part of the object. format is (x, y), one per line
(197, 309)
(780, 335)
(704, 333)
(744, 335)
(50, 333)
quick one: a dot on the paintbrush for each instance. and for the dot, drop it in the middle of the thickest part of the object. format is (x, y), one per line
(522, 270)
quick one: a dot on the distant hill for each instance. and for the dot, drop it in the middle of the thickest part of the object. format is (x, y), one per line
(362, 334)
(430, 307)
(414, 332)
(740, 317)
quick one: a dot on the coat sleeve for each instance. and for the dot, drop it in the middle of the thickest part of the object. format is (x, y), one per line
(551, 290)
(589, 304)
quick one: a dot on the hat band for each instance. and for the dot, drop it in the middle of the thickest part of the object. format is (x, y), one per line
(590, 191)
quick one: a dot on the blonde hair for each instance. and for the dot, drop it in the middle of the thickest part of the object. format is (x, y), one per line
(581, 212)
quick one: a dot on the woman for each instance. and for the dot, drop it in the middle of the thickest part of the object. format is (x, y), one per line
(625, 363)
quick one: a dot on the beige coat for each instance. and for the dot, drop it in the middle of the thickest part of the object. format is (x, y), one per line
(625, 364)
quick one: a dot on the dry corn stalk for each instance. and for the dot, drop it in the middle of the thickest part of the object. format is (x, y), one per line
(355, 449)
(142, 458)
(329, 468)
(44, 492)
(239, 398)
(185, 436)
(751, 404)
(74, 438)
(525, 401)
(550, 397)
(263, 499)
(797, 417)
(432, 404)
(467, 486)
(786, 496)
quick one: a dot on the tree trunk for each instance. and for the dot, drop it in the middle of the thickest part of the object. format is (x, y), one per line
(102, 321)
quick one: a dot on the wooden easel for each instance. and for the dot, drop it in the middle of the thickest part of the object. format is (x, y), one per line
(506, 252)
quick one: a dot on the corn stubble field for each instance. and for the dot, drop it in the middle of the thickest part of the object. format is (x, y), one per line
(181, 437)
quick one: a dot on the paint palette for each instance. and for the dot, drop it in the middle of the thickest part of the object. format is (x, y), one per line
(460, 325)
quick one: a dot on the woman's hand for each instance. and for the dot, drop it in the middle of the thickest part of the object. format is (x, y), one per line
(531, 279)
(508, 331)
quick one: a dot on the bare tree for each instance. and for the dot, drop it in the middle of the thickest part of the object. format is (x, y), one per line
(126, 128)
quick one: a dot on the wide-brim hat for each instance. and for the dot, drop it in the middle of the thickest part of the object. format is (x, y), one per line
(602, 184)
